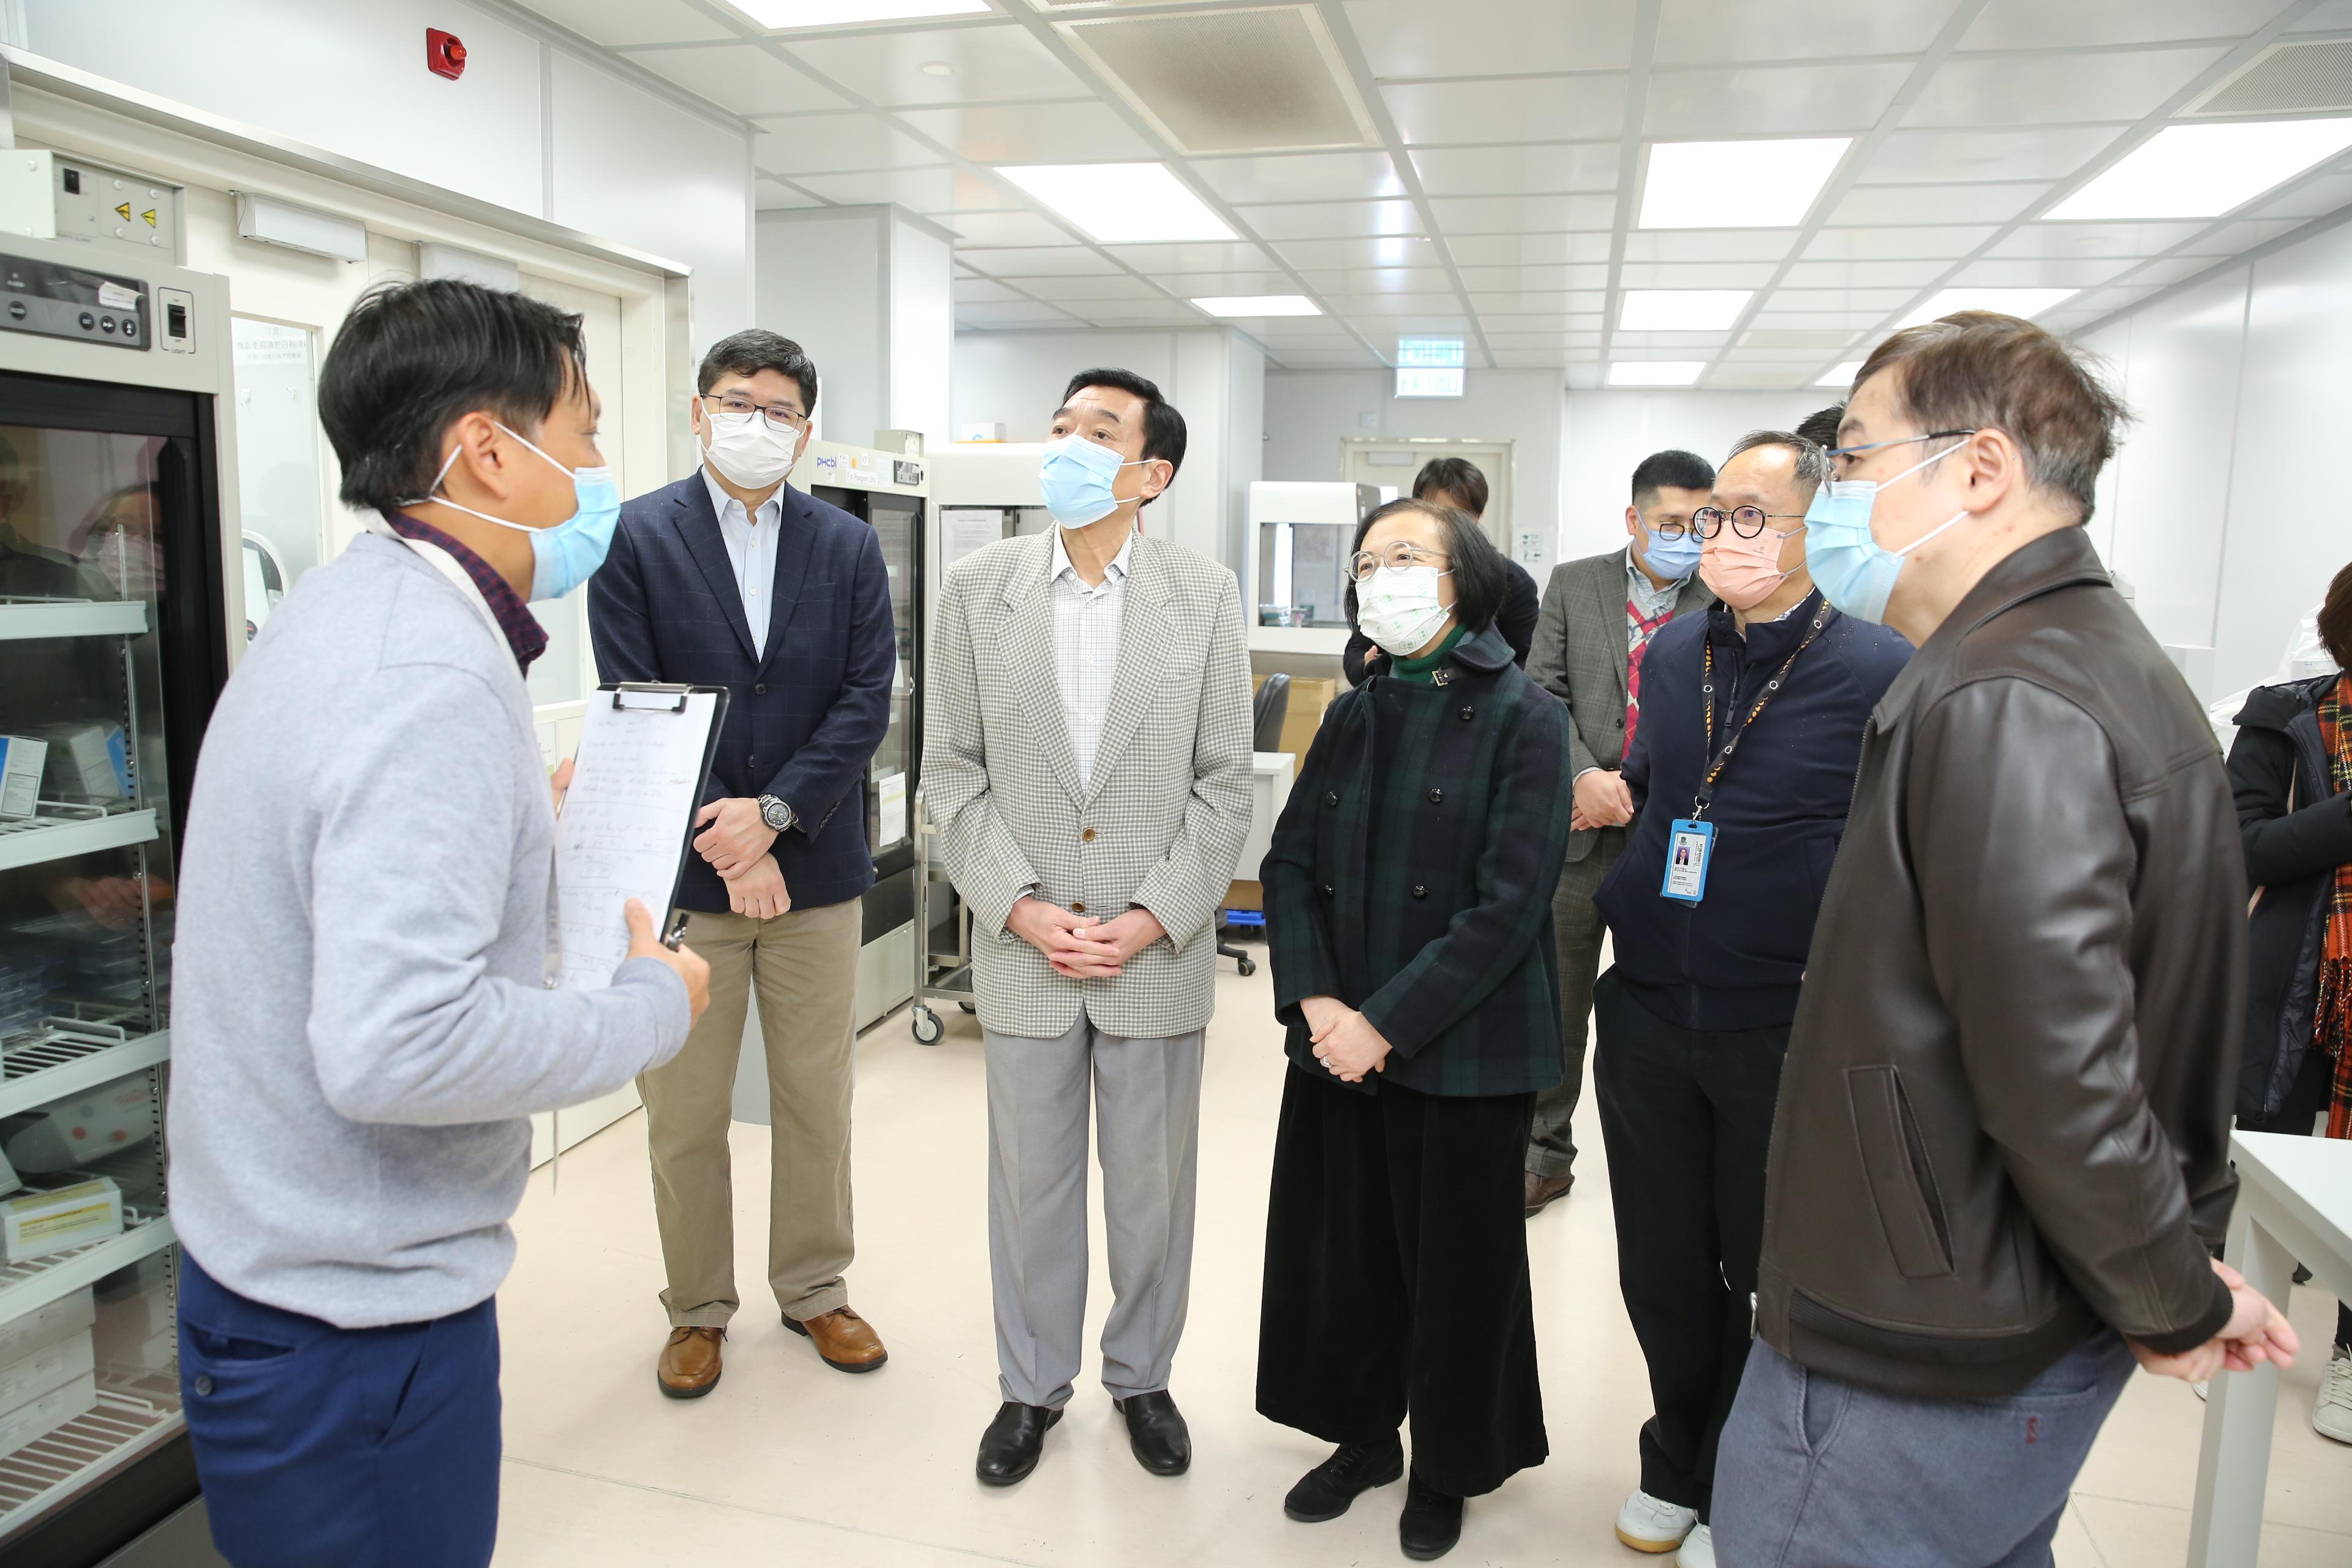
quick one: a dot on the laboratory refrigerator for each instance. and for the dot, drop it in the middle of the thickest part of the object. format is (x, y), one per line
(117, 618)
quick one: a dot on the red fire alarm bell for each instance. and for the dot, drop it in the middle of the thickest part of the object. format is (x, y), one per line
(444, 53)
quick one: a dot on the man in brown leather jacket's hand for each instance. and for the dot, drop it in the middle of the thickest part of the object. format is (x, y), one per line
(2000, 1159)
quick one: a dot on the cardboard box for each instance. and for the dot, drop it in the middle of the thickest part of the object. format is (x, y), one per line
(1246, 895)
(45, 1370)
(88, 762)
(134, 1329)
(22, 759)
(29, 1424)
(61, 1318)
(1303, 716)
(36, 1224)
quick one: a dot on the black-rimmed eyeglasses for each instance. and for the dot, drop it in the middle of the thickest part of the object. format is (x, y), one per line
(1746, 522)
(777, 416)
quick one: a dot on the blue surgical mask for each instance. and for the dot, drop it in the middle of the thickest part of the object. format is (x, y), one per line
(1852, 569)
(566, 555)
(1077, 475)
(1671, 558)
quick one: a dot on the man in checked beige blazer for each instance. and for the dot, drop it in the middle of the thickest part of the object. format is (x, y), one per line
(1087, 761)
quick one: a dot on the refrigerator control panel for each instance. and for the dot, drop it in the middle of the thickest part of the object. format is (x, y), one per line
(58, 301)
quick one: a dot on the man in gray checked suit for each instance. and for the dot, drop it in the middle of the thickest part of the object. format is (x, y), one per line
(1088, 764)
(1597, 619)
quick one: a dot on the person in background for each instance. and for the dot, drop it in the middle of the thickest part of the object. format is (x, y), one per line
(730, 577)
(361, 1014)
(1406, 891)
(2291, 773)
(1754, 714)
(1820, 428)
(1456, 482)
(1087, 762)
(2001, 1157)
(1599, 616)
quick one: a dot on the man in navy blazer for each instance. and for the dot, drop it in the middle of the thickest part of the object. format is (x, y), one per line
(733, 578)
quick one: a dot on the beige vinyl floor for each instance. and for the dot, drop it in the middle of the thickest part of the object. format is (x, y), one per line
(790, 1462)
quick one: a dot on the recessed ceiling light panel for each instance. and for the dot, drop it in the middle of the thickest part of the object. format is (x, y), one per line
(1843, 376)
(1682, 310)
(1258, 305)
(1656, 371)
(2025, 302)
(783, 15)
(1121, 204)
(1738, 184)
(2204, 171)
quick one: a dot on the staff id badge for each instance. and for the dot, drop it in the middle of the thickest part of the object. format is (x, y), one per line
(1689, 846)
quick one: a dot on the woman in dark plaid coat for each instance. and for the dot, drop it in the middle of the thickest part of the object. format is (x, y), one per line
(1408, 898)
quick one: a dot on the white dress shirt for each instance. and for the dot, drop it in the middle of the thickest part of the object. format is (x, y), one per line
(752, 551)
(1086, 645)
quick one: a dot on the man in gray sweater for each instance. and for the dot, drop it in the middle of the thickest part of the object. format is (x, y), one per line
(364, 1013)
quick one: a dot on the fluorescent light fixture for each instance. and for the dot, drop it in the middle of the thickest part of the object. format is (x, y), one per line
(1656, 371)
(780, 15)
(2025, 302)
(1430, 381)
(1682, 310)
(2204, 171)
(1841, 376)
(1121, 204)
(1738, 184)
(1259, 305)
(435, 261)
(273, 222)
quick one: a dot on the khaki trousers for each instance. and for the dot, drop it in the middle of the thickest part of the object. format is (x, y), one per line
(804, 963)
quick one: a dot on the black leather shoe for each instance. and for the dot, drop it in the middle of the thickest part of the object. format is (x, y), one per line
(1013, 1442)
(1324, 1492)
(1431, 1521)
(1156, 1431)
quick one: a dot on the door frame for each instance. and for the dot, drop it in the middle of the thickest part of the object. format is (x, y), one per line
(1502, 484)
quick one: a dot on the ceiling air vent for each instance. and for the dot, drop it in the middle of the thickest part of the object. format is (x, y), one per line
(2286, 79)
(1263, 80)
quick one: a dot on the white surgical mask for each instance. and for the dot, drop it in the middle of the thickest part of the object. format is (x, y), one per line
(1398, 607)
(747, 450)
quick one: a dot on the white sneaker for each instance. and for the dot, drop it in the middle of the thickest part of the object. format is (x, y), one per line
(2332, 1415)
(1651, 1524)
(1698, 1549)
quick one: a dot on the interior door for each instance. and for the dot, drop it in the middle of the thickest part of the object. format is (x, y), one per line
(1391, 465)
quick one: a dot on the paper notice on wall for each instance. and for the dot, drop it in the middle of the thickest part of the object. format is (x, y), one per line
(891, 800)
(963, 530)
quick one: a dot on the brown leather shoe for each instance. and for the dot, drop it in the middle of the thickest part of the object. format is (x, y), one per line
(689, 1363)
(1542, 1190)
(846, 1341)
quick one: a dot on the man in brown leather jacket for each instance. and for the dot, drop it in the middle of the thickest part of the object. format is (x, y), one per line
(2000, 1156)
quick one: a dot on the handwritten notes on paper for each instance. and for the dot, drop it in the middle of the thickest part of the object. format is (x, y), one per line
(623, 828)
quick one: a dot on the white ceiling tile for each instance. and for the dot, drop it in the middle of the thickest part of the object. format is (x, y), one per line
(974, 193)
(1733, 30)
(1031, 132)
(1393, 304)
(2169, 270)
(770, 195)
(1434, 325)
(1695, 274)
(1819, 299)
(1786, 338)
(996, 230)
(1930, 157)
(828, 144)
(1144, 312)
(1331, 220)
(2011, 272)
(2244, 235)
(1503, 108)
(917, 190)
(1521, 215)
(1506, 323)
(1543, 303)
(1761, 377)
(1794, 100)
(1874, 205)
(982, 291)
(1198, 256)
(1001, 62)
(1841, 322)
(742, 77)
(2059, 241)
(1582, 274)
(1514, 171)
(1866, 274)
(1543, 340)
(1464, 38)
(1709, 244)
(1206, 285)
(1038, 261)
(1946, 240)
(1018, 313)
(1530, 249)
(2044, 24)
(618, 23)
(1993, 90)
(1305, 177)
(1671, 345)
(1081, 293)
(2332, 16)
(1379, 279)
(2313, 198)
(1529, 359)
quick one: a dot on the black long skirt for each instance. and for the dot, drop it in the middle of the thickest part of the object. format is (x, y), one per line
(1396, 1278)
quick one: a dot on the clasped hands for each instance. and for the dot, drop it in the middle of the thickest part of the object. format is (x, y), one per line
(736, 839)
(2257, 1331)
(1602, 800)
(1344, 1040)
(1079, 945)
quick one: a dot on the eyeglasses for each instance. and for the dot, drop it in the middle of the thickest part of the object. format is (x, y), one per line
(728, 406)
(1400, 556)
(1746, 522)
(1845, 454)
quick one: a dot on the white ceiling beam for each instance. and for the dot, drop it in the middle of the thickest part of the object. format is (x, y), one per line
(1629, 169)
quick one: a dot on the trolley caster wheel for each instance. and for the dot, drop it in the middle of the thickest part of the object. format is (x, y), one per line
(969, 1009)
(927, 1028)
(1248, 967)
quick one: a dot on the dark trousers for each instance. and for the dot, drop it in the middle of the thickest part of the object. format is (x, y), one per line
(1578, 931)
(1687, 1118)
(2298, 1117)
(1396, 1280)
(328, 1447)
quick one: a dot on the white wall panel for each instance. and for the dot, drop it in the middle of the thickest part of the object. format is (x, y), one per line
(1609, 433)
(820, 282)
(922, 329)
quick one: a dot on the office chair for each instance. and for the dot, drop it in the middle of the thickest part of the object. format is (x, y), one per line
(1268, 716)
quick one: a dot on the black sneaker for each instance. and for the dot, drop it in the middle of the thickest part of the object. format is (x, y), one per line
(1431, 1521)
(1324, 1492)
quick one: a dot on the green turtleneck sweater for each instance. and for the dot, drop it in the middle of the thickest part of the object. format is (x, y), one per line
(1419, 671)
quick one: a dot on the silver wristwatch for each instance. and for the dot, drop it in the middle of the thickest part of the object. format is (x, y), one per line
(775, 813)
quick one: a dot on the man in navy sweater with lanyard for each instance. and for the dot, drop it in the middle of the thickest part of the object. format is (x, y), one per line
(1752, 725)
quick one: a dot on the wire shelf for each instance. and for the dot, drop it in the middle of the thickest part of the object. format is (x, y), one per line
(63, 829)
(35, 1282)
(133, 1415)
(67, 1055)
